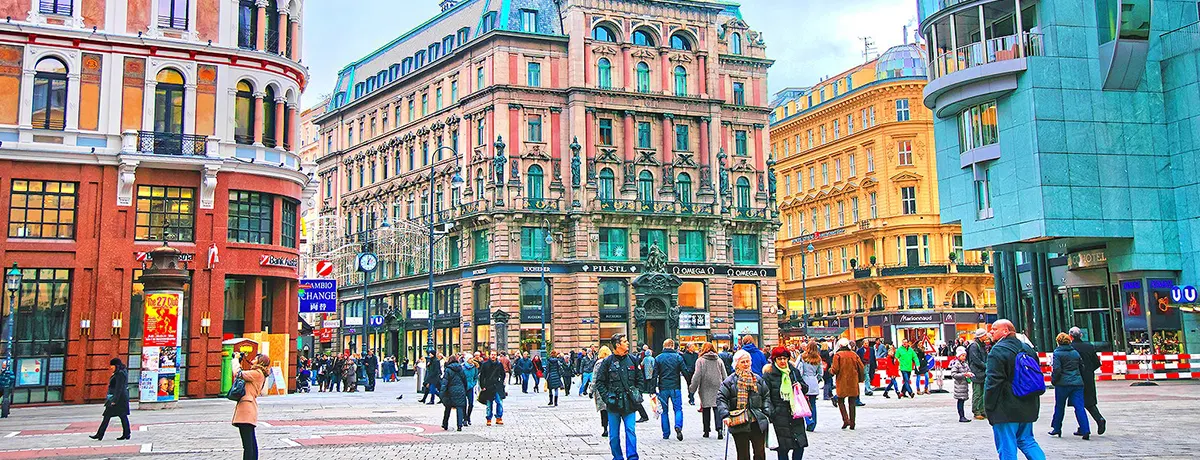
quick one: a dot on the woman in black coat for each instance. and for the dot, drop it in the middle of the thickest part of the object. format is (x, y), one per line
(749, 436)
(454, 392)
(555, 368)
(116, 402)
(791, 432)
(433, 375)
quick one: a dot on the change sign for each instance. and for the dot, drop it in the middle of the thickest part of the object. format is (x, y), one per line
(318, 296)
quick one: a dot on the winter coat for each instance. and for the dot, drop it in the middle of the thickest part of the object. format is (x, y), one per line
(596, 396)
(811, 375)
(890, 367)
(710, 372)
(758, 360)
(586, 364)
(848, 371)
(116, 402)
(1000, 404)
(689, 362)
(790, 432)
(1091, 363)
(491, 380)
(726, 358)
(554, 373)
(454, 386)
(246, 410)
(758, 403)
(907, 359)
(523, 365)
(668, 370)
(433, 373)
(1066, 364)
(977, 357)
(472, 374)
(958, 371)
(7, 380)
(619, 382)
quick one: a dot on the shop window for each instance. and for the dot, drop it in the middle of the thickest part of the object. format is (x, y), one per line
(50, 94)
(165, 213)
(614, 295)
(613, 242)
(533, 244)
(534, 295)
(234, 322)
(745, 249)
(250, 217)
(650, 237)
(40, 334)
(287, 233)
(42, 209)
(692, 295)
(745, 296)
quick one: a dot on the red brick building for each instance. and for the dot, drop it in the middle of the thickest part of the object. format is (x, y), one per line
(115, 139)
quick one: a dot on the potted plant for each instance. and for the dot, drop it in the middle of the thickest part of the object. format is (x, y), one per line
(872, 260)
(853, 264)
(874, 268)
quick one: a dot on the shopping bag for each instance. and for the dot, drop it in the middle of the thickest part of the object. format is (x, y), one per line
(800, 407)
(655, 406)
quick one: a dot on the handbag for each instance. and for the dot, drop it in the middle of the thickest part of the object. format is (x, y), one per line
(238, 390)
(800, 407)
(738, 417)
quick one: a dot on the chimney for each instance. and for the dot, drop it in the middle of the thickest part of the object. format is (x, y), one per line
(448, 4)
(906, 34)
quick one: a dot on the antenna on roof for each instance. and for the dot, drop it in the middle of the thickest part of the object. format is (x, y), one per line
(868, 47)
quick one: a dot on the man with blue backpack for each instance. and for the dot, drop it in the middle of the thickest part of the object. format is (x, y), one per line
(1012, 389)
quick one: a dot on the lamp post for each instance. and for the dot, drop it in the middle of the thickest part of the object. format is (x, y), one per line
(12, 282)
(804, 284)
(545, 288)
(367, 267)
(456, 182)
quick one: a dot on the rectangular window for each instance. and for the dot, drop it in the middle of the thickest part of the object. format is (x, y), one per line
(983, 196)
(739, 93)
(692, 295)
(874, 212)
(649, 237)
(681, 138)
(480, 133)
(424, 104)
(529, 21)
(287, 226)
(437, 99)
(902, 113)
(745, 296)
(787, 185)
(412, 110)
(829, 266)
(606, 131)
(828, 217)
(977, 127)
(837, 129)
(62, 7)
(613, 243)
(908, 200)
(810, 138)
(871, 113)
(745, 248)
(957, 248)
(822, 129)
(534, 75)
(533, 244)
(837, 170)
(534, 294)
(250, 217)
(841, 213)
(812, 178)
(643, 134)
(165, 213)
(479, 242)
(740, 143)
(614, 295)
(850, 161)
(42, 209)
(454, 91)
(40, 332)
(691, 246)
(535, 128)
(904, 153)
(813, 212)
(479, 83)
(849, 124)
(845, 260)
(854, 210)
(870, 160)
(824, 174)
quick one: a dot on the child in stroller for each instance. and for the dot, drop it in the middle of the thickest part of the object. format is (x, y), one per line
(303, 381)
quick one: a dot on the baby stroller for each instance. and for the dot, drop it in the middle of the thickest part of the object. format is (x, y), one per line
(303, 381)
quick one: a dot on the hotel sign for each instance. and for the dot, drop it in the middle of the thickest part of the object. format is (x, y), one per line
(1087, 259)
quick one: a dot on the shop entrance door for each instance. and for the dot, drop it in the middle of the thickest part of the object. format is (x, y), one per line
(656, 333)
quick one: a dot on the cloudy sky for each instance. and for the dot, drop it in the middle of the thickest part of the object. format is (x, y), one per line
(808, 39)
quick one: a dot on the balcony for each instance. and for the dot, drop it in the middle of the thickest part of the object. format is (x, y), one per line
(541, 204)
(473, 208)
(743, 213)
(159, 143)
(917, 270)
(655, 207)
(978, 71)
(1181, 41)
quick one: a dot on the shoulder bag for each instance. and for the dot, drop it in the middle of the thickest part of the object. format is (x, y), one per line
(238, 390)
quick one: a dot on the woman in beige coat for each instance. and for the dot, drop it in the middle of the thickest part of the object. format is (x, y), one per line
(245, 414)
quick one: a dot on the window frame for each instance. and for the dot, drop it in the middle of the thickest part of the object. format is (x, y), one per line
(44, 86)
(145, 194)
(250, 207)
(19, 228)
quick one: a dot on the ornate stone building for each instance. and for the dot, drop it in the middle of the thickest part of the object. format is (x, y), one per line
(585, 132)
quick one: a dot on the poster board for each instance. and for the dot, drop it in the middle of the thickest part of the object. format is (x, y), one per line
(159, 376)
(276, 383)
(275, 346)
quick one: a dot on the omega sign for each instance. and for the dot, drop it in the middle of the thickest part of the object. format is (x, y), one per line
(747, 272)
(267, 260)
(692, 270)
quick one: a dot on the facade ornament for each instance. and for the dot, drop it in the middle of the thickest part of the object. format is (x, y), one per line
(575, 147)
(656, 259)
(628, 184)
(500, 160)
(126, 176)
(723, 184)
(556, 183)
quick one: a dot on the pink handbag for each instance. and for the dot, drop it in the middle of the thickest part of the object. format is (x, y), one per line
(800, 407)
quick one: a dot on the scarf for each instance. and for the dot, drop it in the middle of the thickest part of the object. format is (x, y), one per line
(785, 386)
(745, 385)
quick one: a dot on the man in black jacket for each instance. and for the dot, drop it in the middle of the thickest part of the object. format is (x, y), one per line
(977, 355)
(1091, 362)
(689, 367)
(491, 387)
(668, 369)
(619, 383)
(371, 363)
(1011, 417)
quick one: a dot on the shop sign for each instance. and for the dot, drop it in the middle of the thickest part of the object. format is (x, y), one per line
(818, 236)
(948, 318)
(749, 273)
(1087, 259)
(609, 268)
(324, 335)
(693, 270)
(416, 314)
(331, 324)
(968, 318)
(29, 371)
(159, 377)
(917, 319)
(268, 260)
(825, 331)
(318, 296)
(614, 316)
(697, 320)
(145, 257)
(483, 317)
(354, 320)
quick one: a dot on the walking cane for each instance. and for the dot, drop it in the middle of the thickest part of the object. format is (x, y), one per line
(728, 435)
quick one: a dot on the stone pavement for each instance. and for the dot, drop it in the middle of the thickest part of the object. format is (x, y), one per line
(1144, 423)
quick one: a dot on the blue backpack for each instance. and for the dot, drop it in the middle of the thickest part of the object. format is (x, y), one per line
(1028, 379)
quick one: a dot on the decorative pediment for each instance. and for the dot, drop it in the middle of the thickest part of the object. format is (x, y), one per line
(604, 49)
(536, 152)
(735, 23)
(906, 176)
(743, 165)
(647, 157)
(608, 156)
(680, 58)
(684, 160)
(644, 54)
(869, 182)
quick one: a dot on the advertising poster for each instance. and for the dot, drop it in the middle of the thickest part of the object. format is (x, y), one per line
(159, 379)
(29, 371)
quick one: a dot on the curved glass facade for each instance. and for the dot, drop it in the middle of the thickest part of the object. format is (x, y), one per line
(1123, 19)
(901, 61)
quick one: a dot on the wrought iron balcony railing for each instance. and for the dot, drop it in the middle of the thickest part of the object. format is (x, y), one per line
(159, 143)
(655, 207)
(542, 204)
(740, 212)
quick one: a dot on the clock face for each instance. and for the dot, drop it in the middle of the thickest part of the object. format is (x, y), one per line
(367, 262)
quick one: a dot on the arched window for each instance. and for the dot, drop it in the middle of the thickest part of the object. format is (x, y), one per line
(533, 190)
(243, 130)
(683, 189)
(268, 121)
(643, 77)
(735, 43)
(963, 299)
(680, 81)
(607, 191)
(641, 38)
(646, 188)
(604, 73)
(879, 303)
(604, 34)
(679, 42)
(743, 193)
(479, 183)
(168, 102)
(50, 94)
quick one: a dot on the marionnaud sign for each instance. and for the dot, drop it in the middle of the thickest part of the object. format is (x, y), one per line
(318, 296)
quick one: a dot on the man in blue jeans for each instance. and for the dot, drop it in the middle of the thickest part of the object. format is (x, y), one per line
(491, 387)
(1011, 417)
(668, 371)
(619, 383)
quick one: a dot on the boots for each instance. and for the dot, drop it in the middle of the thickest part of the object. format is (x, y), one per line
(499, 421)
(845, 417)
(853, 408)
(555, 400)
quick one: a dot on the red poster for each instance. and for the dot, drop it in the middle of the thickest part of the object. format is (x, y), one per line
(162, 319)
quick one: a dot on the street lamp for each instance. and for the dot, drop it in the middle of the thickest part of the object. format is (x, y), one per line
(804, 285)
(12, 282)
(456, 183)
(368, 249)
(545, 288)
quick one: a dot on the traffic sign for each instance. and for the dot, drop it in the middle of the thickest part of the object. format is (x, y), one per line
(1189, 294)
(324, 268)
(1177, 294)
(376, 320)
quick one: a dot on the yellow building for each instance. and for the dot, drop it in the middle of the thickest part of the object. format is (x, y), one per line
(860, 238)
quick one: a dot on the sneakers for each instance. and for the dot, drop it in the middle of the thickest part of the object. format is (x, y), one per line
(499, 421)
(489, 422)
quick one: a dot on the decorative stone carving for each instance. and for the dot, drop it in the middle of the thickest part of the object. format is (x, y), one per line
(208, 186)
(575, 162)
(126, 176)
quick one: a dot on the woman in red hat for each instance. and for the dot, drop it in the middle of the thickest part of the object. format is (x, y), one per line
(785, 384)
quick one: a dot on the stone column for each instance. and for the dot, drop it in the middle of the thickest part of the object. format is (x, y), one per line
(625, 72)
(189, 108)
(666, 71)
(283, 30)
(589, 134)
(294, 32)
(261, 43)
(257, 122)
(293, 128)
(279, 101)
(629, 134)
(702, 76)
(704, 127)
(668, 130)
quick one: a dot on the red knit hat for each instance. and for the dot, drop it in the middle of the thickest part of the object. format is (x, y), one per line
(780, 351)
